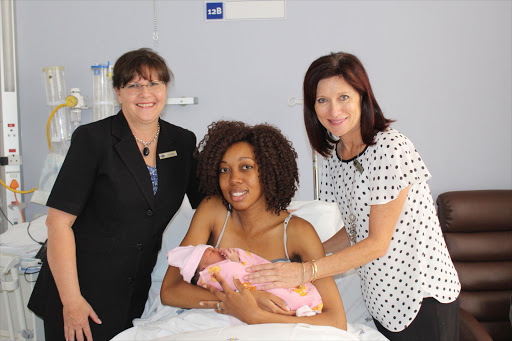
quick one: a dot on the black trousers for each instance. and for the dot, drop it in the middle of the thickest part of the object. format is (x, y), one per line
(435, 321)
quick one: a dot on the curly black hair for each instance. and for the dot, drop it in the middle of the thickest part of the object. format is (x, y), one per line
(275, 156)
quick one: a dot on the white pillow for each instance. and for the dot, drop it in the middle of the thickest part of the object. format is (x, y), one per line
(324, 216)
(172, 237)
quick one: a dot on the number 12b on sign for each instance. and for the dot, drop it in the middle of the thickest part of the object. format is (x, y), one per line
(214, 10)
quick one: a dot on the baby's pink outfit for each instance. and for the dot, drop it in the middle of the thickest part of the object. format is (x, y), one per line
(304, 299)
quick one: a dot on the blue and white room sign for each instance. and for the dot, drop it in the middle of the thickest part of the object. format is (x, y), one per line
(214, 10)
(228, 10)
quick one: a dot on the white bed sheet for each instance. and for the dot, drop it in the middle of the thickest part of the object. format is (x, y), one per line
(17, 241)
(206, 324)
(160, 322)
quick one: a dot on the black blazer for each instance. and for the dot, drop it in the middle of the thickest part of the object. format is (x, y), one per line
(104, 181)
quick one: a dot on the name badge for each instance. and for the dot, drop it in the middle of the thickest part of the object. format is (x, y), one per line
(167, 155)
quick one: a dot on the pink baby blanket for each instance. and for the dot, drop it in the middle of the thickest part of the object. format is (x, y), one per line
(305, 299)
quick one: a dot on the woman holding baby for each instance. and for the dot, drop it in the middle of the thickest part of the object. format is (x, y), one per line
(250, 175)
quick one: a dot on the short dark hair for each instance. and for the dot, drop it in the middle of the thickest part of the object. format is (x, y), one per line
(143, 62)
(350, 68)
(195, 278)
(275, 156)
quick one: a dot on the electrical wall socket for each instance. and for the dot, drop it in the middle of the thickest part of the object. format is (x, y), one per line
(14, 160)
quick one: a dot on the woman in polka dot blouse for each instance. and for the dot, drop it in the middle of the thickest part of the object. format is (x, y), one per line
(379, 181)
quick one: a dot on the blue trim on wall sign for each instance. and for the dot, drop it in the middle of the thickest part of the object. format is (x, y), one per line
(214, 10)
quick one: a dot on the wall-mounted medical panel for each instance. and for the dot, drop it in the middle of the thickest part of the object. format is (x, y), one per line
(9, 132)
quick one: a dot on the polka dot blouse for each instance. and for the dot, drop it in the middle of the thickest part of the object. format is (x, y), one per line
(417, 263)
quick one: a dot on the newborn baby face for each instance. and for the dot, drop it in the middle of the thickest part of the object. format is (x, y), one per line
(210, 256)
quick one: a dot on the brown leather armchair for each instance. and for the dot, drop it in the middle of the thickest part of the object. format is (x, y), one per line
(477, 227)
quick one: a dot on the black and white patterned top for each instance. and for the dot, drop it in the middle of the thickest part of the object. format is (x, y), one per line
(417, 263)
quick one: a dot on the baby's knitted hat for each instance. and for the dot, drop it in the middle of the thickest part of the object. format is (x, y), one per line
(186, 258)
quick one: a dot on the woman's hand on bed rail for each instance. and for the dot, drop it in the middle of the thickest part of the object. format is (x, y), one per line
(277, 275)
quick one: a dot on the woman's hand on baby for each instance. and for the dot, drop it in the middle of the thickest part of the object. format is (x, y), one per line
(276, 275)
(241, 304)
(271, 303)
(230, 253)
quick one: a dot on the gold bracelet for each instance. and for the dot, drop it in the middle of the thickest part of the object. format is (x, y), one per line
(312, 273)
(303, 274)
(315, 271)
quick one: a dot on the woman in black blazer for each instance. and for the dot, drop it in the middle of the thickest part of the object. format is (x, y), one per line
(123, 180)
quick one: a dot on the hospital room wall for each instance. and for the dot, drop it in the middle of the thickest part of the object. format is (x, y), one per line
(442, 69)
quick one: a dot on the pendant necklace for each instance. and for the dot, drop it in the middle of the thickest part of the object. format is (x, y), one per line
(145, 150)
(352, 233)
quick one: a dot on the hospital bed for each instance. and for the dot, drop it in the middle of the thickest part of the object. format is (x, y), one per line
(173, 323)
(160, 322)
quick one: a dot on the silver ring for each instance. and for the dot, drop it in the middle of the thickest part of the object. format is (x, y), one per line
(218, 306)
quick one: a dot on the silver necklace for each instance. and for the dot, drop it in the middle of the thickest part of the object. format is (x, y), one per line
(145, 150)
(352, 233)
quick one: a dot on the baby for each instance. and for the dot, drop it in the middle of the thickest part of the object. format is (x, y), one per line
(197, 265)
